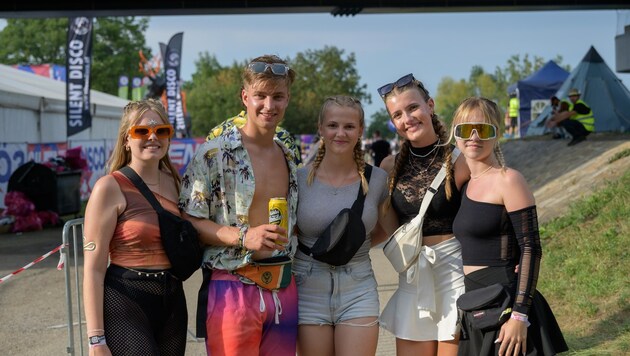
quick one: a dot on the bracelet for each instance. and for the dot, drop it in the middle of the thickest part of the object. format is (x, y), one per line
(521, 317)
(242, 231)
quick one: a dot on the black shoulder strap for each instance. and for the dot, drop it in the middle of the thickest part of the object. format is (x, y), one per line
(142, 187)
(358, 204)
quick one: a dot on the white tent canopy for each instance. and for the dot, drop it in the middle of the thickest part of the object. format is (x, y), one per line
(33, 110)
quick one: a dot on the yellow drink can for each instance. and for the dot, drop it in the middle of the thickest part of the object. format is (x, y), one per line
(278, 212)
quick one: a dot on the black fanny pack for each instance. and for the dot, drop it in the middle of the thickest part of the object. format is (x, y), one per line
(486, 308)
(343, 237)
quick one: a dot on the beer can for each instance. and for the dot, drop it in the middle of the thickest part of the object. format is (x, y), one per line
(278, 214)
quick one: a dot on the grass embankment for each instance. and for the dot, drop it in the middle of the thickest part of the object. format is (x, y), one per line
(585, 272)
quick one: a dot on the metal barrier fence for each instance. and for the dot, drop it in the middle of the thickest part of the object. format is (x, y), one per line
(73, 229)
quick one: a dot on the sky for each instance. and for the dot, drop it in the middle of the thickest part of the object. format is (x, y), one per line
(387, 46)
(432, 46)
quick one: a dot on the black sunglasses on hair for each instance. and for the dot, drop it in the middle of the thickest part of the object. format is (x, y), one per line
(401, 82)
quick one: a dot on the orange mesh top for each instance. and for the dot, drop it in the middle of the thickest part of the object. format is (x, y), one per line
(137, 241)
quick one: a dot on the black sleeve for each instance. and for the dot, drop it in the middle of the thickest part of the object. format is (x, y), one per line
(581, 109)
(525, 222)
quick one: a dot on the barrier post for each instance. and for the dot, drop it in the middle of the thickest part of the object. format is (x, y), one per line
(77, 226)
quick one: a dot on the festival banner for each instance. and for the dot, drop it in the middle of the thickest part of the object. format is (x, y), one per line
(172, 67)
(78, 64)
(136, 89)
(123, 87)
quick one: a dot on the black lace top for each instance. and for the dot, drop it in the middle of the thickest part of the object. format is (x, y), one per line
(414, 177)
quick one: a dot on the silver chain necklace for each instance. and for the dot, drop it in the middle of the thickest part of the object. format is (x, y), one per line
(426, 155)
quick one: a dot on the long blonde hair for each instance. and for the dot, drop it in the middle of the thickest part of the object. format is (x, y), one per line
(132, 113)
(359, 160)
(438, 127)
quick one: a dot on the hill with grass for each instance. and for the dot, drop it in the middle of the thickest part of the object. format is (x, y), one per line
(583, 198)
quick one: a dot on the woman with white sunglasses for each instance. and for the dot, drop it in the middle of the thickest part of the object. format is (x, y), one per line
(497, 227)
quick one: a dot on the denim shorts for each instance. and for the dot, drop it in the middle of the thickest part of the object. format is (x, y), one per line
(328, 295)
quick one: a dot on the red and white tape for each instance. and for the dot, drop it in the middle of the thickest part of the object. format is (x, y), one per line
(39, 259)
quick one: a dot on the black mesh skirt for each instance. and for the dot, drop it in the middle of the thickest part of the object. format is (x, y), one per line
(543, 335)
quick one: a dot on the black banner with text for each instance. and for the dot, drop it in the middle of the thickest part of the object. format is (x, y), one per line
(172, 67)
(78, 65)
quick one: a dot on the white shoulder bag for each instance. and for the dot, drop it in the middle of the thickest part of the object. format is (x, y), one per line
(403, 247)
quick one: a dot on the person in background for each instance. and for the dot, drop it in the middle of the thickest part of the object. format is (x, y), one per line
(558, 106)
(514, 105)
(134, 306)
(497, 226)
(226, 191)
(338, 305)
(380, 148)
(422, 313)
(578, 120)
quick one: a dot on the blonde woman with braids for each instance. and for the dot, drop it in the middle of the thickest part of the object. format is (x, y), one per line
(134, 306)
(338, 305)
(498, 229)
(422, 313)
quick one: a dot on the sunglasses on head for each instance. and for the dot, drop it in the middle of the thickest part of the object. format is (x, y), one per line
(484, 131)
(401, 82)
(276, 68)
(144, 132)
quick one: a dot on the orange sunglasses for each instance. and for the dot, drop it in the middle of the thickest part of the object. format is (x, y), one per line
(144, 132)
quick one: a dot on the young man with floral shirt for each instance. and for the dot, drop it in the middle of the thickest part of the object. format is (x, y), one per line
(225, 193)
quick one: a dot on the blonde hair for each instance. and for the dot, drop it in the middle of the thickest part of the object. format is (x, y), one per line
(132, 113)
(344, 101)
(438, 127)
(490, 113)
(249, 77)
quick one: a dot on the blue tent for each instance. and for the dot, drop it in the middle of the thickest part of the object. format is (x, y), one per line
(540, 85)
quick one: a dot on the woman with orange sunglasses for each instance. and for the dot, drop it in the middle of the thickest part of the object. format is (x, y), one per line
(134, 306)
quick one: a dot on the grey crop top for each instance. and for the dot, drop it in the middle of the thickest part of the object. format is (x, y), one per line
(319, 203)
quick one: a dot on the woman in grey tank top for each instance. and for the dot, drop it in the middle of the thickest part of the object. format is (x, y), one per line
(338, 305)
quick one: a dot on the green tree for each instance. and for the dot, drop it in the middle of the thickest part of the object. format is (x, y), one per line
(492, 86)
(320, 73)
(379, 122)
(214, 93)
(116, 43)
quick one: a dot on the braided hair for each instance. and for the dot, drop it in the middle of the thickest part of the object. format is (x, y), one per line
(402, 156)
(359, 154)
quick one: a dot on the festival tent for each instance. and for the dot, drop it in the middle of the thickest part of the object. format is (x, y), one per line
(535, 89)
(601, 89)
(33, 109)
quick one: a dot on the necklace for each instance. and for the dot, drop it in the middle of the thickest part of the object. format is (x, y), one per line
(426, 155)
(482, 173)
(420, 156)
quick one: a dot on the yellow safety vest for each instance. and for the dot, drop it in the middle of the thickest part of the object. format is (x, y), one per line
(588, 120)
(514, 105)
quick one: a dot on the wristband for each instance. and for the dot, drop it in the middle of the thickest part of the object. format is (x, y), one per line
(242, 231)
(521, 318)
(97, 340)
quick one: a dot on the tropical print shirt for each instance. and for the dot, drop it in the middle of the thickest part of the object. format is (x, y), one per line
(219, 185)
(239, 121)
